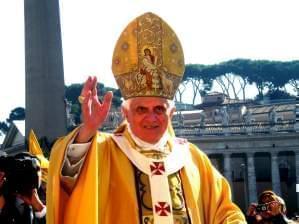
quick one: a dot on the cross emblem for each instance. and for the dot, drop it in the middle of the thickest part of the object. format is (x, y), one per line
(157, 168)
(162, 208)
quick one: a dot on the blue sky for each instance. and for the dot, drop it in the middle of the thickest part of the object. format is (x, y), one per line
(210, 31)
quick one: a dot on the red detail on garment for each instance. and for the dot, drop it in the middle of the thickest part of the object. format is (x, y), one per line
(162, 208)
(157, 168)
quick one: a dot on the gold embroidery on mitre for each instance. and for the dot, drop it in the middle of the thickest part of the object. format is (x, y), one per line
(148, 59)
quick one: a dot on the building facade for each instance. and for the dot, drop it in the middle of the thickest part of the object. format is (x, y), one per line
(255, 153)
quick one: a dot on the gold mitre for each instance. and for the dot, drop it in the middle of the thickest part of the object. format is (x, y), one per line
(148, 59)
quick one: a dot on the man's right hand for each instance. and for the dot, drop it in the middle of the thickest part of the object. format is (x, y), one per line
(33, 200)
(251, 211)
(94, 112)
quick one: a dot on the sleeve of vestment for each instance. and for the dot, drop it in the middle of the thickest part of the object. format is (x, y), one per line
(82, 204)
(73, 161)
(215, 193)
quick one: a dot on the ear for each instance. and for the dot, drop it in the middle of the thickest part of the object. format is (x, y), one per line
(172, 112)
(124, 112)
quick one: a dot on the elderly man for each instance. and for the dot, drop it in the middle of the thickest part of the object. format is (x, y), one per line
(141, 173)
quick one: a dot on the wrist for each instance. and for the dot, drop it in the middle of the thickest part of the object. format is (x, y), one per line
(42, 213)
(38, 206)
(84, 135)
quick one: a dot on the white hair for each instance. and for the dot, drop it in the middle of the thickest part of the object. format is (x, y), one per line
(126, 103)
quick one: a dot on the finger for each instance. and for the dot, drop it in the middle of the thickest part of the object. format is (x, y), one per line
(102, 110)
(85, 87)
(94, 86)
(86, 98)
(88, 85)
(85, 106)
(95, 102)
(95, 92)
(108, 97)
(107, 101)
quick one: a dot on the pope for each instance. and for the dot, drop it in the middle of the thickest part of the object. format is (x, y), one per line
(141, 173)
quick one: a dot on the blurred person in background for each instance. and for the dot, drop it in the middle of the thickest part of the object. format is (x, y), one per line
(20, 178)
(270, 209)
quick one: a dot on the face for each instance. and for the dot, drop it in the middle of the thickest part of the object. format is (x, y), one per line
(147, 52)
(272, 205)
(148, 117)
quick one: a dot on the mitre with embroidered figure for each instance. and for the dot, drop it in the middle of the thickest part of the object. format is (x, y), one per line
(148, 59)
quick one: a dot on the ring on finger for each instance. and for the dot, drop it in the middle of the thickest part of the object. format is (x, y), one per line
(81, 99)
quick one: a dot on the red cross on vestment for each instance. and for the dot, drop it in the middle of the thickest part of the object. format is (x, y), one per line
(162, 208)
(157, 168)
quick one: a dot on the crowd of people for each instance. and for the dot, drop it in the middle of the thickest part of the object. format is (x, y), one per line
(20, 180)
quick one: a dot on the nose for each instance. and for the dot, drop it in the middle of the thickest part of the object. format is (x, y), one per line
(151, 116)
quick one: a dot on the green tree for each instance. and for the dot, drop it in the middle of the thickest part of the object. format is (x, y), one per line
(3, 127)
(17, 114)
(277, 94)
(195, 75)
(266, 75)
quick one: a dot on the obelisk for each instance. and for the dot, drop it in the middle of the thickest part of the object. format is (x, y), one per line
(45, 107)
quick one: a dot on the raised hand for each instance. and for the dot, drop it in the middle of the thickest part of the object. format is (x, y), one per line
(251, 211)
(94, 112)
(34, 200)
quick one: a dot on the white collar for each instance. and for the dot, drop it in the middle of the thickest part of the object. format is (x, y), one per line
(158, 171)
(145, 146)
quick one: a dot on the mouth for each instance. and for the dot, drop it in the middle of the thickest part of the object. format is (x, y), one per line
(150, 127)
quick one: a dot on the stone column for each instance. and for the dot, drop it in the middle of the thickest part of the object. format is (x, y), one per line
(45, 106)
(297, 175)
(275, 173)
(249, 129)
(227, 167)
(296, 126)
(251, 178)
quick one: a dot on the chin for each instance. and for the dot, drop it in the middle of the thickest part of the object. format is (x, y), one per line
(150, 139)
(152, 136)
